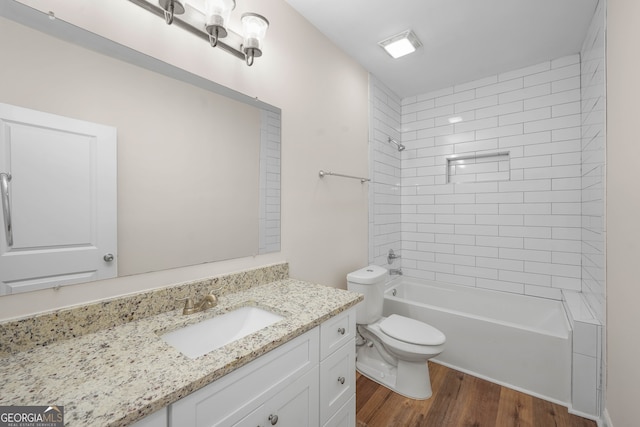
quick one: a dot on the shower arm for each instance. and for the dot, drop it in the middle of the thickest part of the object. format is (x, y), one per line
(397, 144)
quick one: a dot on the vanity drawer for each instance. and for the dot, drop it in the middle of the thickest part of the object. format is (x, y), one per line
(157, 419)
(227, 400)
(345, 417)
(337, 380)
(337, 331)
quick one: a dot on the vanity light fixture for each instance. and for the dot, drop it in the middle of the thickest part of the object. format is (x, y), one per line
(217, 14)
(401, 44)
(209, 19)
(171, 8)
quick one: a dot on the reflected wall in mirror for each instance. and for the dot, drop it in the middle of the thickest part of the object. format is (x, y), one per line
(198, 164)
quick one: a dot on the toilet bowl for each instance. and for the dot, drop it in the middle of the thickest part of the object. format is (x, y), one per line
(392, 351)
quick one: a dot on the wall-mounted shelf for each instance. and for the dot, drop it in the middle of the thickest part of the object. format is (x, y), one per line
(479, 167)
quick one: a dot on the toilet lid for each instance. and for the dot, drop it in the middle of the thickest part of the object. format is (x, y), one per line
(411, 331)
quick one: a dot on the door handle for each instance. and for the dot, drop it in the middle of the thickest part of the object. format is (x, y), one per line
(6, 207)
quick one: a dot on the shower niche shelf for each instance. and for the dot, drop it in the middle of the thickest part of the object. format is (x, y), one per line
(478, 167)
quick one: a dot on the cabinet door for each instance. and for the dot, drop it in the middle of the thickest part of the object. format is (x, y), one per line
(253, 419)
(232, 399)
(157, 419)
(337, 380)
(295, 406)
(345, 417)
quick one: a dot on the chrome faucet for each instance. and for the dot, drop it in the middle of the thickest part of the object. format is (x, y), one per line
(205, 303)
(392, 257)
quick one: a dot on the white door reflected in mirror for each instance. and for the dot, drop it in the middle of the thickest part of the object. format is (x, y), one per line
(61, 202)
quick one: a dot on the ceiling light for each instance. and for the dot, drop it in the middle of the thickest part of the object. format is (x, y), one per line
(401, 44)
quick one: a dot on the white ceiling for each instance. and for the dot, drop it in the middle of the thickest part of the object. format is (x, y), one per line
(463, 40)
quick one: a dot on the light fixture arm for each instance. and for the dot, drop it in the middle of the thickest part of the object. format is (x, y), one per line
(168, 14)
(170, 9)
(249, 56)
(212, 32)
(159, 12)
(214, 37)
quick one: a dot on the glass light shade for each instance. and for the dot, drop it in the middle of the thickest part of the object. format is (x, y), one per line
(217, 12)
(254, 28)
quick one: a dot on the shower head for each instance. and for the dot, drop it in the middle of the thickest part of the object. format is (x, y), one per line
(399, 145)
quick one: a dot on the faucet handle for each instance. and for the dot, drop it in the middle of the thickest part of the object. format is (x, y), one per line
(208, 301)
(392, 256)
(188, 305)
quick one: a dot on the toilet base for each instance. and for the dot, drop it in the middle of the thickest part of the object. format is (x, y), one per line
(409, 379)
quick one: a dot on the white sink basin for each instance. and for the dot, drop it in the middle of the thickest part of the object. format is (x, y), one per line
(201, 338)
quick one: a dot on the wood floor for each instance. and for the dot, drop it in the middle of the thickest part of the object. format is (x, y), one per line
(459, 400)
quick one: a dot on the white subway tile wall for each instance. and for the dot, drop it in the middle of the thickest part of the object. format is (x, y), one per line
(589, 359)
(593, 164)
(269, 215)
(386, 208)
(536, 231)
(507, 222)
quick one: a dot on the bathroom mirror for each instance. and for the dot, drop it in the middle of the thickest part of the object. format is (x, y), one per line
(198, 163)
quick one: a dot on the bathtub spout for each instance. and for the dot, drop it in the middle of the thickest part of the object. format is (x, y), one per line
(396, 271)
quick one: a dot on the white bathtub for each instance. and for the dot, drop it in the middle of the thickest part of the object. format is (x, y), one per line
(514, 340)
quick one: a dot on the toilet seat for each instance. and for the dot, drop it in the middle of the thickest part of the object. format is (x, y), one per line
(404, 348)
(411, 331)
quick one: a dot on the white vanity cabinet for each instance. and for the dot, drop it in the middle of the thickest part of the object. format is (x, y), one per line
(296, 405)
(254, 394)
(338, 371)
(157, 419)
(309, 381)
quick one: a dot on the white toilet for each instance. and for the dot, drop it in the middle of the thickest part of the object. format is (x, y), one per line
(395, 349)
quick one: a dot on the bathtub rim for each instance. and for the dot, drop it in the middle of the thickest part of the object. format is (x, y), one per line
(394, 283)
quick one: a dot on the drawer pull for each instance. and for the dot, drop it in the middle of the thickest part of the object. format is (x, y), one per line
(341, 380)
(341, 331)
(273, 419)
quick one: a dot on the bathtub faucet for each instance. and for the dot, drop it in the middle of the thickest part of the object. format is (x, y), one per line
(392, 257)
(396, 271)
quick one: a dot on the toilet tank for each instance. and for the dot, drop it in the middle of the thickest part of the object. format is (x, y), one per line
(370, 282)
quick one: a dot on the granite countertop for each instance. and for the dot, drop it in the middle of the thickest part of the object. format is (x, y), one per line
(118, 375)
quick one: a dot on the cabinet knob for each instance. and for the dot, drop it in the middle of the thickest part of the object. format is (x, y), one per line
(273, 419)
(341, 380)
(341, 331)
(108, 257)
